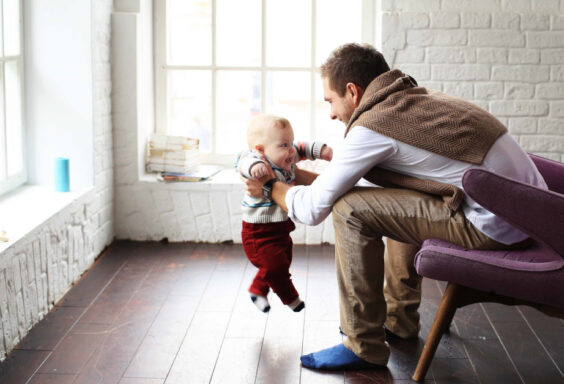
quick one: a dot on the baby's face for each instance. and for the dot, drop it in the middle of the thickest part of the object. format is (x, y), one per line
(279, 147)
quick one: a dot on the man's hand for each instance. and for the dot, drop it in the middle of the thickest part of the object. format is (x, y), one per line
(258, 170)
(326, 153)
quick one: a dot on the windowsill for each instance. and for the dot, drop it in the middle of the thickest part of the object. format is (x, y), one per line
(228, 176)
(28, 207)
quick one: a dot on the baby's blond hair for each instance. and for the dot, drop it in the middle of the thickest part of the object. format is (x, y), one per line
(257, 132)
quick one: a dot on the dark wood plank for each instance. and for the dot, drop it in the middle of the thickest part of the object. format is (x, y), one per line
(200, 348)
(527, 353)
(46, 334)
(19, 366)
(550, 332)
(491, 363)
(50, 378)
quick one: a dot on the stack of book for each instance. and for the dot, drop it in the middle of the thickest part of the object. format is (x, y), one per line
(172, 154)
(201, 173)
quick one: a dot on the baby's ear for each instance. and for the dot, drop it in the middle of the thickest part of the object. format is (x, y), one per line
(259, 148)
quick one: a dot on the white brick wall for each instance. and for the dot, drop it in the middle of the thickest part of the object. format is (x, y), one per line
(38, 270)
(504, 55)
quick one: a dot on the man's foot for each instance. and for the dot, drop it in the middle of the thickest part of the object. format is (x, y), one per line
(297, 305)
(337, 358)
(261, 302)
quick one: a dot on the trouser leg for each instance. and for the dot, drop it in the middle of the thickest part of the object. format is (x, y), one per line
(361, 217)
(402, 289)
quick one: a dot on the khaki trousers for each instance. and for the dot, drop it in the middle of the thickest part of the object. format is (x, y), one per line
(406, 218)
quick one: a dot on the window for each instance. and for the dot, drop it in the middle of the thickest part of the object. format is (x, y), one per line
(219, 62)
(12, 167)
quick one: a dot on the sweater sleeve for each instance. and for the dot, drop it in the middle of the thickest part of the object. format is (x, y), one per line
(245, 161)
(308, 150)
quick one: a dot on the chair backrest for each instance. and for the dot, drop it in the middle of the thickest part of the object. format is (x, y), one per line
(537, 212)
(551, 171)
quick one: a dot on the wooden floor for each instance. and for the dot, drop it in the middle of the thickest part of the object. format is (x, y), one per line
(151, 313)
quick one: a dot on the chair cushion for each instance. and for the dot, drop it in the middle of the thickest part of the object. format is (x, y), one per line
(535, 274)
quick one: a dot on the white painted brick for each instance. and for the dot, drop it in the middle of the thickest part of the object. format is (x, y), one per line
(410, 55)
(543, 143)
(524, 56)
(438, 37)
(472, 5)
(525, 73)
(436, 85)
(551, 127)
(411, 6)
(547, 6)
(550, 91)
(522, 125)
(557, 109)
(418, 71)
(488, 91)
(506, 20)
(519, 108)
(557, 22)
(491, 55)
(393, 34)
(459, 89)
(535, 22)
(445, 20)
(220, 216)
(460, 72)
(548, 39)
(493, 38)
(414, 20)
(516, 5)
(476, 20)
(444, 55)
(519, 91)
(557, 73)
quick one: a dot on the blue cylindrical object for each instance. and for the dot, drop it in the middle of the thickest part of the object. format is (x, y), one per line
(62, 183)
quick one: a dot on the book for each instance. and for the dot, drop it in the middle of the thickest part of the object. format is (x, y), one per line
(172, 154)
(203, 172)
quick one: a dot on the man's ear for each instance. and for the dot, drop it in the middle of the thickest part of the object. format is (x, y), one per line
(355, 93)
(259, 148)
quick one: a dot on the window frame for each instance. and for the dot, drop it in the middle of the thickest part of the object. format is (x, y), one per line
(160, 49)
(13, 181)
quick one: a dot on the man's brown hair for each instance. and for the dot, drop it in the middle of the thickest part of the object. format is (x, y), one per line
(353, 63)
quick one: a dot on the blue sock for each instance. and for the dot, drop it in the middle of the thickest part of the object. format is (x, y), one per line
(337, 358)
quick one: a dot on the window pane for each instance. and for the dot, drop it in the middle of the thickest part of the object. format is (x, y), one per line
(238, 42)
(238, 99)
(337, 22)
(11, 11)
(189, 103)
(288, 33)
(14, 139)
(2, 127)
(327, 130)
(189, 32)
(288, 95)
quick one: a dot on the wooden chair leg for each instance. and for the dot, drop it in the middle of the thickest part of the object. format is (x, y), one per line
(442, 321)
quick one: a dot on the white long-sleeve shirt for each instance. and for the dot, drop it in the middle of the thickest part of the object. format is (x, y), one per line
(364, 148)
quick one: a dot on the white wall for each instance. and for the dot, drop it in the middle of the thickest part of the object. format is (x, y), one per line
(69, 114)
(506, 56)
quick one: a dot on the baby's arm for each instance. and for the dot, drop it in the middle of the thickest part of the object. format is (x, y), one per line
(313, 151)
(250, 166)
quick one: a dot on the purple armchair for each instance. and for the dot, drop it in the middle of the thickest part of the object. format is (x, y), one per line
(533, 276)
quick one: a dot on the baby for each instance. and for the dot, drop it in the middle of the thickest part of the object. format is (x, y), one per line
(266, 227)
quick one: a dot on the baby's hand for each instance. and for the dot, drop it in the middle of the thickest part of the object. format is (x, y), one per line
(258, 170)
(326, 153)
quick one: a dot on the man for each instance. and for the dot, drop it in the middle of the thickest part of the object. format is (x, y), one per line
(415, 143)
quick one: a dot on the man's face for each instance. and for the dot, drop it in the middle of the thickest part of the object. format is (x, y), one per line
(342, 107)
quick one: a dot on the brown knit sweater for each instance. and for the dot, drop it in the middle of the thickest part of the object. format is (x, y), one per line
(393, 105)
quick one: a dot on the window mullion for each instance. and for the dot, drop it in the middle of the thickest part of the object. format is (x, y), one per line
(263, 68)
(3, 133)
(312, 95)
(214, 79)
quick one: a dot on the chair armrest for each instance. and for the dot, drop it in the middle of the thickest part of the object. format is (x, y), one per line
(552, 172)
(537, 212)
